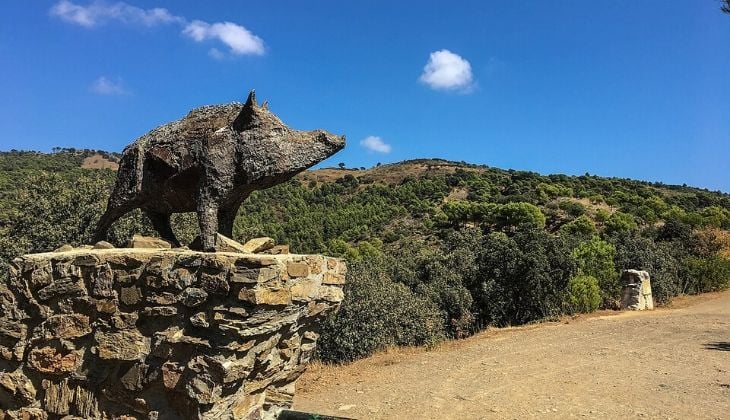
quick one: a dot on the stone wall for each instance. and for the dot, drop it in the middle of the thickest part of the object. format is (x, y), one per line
(159, 333)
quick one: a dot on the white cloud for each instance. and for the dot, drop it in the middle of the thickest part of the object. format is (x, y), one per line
(105, 86)
(447, 71)
(216, 53)
(100, 12)
(239, 39)
(375, 144)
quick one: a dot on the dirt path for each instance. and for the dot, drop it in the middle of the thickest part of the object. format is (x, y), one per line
(670, 363)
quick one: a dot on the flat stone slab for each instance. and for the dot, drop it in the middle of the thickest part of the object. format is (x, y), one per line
(160, 333)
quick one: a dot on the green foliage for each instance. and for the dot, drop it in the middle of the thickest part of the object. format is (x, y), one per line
(584, 294)
(581, 226)
(619, 223)
(573, 208)
(519, 216)
(595, 259)
(423, 265)
(522, 278)
(707, 274)
(376, 313)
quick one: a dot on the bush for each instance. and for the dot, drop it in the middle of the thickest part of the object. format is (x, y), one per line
(707, 274)
(521, 279)
(595, 259)
(376, 313)
(584, 295)
(581, 226)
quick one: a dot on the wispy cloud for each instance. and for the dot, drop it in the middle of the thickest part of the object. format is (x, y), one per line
(99, 12)
(446, 70)
(106, 86)
(238, 39)
(375, 144)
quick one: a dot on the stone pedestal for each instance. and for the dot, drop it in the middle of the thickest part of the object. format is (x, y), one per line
(159, 333)
(636, 291)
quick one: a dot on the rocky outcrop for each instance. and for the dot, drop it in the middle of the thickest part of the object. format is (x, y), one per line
(159, 333)
(636, 290)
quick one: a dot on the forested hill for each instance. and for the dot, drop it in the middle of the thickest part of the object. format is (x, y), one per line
(448, 248)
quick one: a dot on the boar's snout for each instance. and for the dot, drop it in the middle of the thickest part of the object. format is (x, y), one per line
(333, 142)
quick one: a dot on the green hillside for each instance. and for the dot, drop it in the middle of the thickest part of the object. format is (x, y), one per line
(437, 249)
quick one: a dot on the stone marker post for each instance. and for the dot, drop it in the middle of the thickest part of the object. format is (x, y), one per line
(636, 291)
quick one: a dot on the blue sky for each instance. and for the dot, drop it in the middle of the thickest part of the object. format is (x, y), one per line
(625, 88)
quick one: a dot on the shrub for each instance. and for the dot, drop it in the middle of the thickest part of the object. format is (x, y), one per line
(581, 226)
(595, 259)
(707, 274)
(521, 279)
(376, 313)
(619, 222)
(584, 295)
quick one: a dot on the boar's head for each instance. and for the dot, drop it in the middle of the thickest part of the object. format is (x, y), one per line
(278, 150)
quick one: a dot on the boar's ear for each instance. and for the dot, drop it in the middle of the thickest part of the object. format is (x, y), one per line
(246, 116)
(251, 101)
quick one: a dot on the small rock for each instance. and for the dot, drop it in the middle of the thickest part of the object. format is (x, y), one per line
(160, 311)
(258, 245)
(130, 295)
(122, 345)
(103, 245)
(199, 320)
(64, 248)
(222, 244)
(193, 296)
(278, 250)
(139, 241)
(48, 360)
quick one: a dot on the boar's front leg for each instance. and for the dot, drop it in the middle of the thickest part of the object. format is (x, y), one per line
(208, 219)
(161, 223)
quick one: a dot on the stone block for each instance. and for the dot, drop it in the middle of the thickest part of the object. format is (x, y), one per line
(258, 245)
(139, 241)
(297, 269)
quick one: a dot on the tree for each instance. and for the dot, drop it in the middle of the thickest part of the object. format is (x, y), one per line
(581, 226)
(726, 7)
(520, 215)
(341, 165)
(595, 259)
(584, 295)
(521, 278)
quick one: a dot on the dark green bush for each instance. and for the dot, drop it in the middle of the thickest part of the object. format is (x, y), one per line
(376, 313)
(522, 278)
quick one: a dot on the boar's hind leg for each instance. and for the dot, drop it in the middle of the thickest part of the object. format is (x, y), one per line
(111, 214)
(161, 223)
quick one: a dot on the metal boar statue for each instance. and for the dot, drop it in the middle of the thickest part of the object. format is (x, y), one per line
(209, 162)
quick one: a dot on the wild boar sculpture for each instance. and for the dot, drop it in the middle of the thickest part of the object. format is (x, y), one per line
(209, 162)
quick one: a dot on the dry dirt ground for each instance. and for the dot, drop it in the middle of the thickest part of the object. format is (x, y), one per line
(669, 363)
